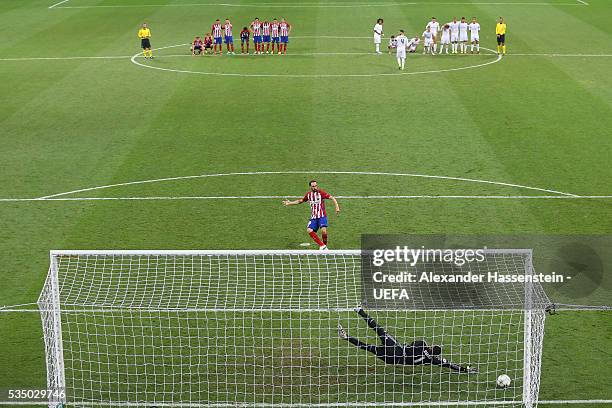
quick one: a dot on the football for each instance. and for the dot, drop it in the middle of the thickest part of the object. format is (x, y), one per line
(503, 381)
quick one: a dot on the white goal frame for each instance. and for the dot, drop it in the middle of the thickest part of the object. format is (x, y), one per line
(51, 310)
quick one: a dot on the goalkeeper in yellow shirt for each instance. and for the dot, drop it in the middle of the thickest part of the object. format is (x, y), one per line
(500, 31)
(145, 34)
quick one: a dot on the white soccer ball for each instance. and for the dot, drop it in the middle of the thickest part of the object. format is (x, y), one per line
(503, 381)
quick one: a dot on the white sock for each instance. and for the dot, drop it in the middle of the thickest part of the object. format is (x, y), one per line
(478, 47)
(472, 47)
(403, 62)
(377, 47)
(435, 47)
(399, 62)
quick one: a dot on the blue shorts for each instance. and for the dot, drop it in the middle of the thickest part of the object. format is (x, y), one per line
(244, 40)
(275, 40)
(266, 38)
(316, 223)
(257, 39)
(284, 39)
(218, 40)
(229, 39)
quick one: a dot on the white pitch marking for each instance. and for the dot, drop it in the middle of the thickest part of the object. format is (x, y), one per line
(259, 173)
(562, 402)
(559, 55)
(261, 197)
(57, 4)
(180, 71)
(583, 2)
(316, 5)
(64, 58)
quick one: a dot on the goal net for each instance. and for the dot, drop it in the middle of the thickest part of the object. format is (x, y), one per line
(260, 328)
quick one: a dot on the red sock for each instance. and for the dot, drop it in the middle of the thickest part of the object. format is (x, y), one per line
(316, 239)
(324, 235)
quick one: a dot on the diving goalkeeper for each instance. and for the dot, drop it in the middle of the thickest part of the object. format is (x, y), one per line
(393, 352)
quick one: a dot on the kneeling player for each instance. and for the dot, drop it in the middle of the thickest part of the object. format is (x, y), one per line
(413, 44)
(392, 44)
(197, 46)
(318, 217)
(208, 43)
(393, 352)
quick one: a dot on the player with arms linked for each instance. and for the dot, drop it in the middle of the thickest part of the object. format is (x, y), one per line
(318, 217)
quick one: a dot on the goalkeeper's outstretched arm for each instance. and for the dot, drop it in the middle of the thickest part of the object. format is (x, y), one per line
(442, 362)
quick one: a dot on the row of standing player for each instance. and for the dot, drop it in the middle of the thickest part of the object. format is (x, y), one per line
(454, 33)
(266, 35)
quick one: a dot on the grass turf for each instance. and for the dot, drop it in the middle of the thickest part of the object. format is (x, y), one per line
(67, 124)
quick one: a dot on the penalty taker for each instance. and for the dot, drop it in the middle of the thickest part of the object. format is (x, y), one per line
(393, 352)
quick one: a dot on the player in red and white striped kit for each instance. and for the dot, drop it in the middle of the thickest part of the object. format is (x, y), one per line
(216, 33)
(265, 28)
(275, 30)
(256, 26)
(229, 36)
(285, 29)
(318, 215)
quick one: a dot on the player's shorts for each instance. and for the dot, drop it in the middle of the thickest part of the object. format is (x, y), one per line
(475, 38)
(501, 38)
(275, 40)
(377, 39)
(218, 40)
(463, 37)
(208, 46)
(257, 39)
(401, 52)
(316, 223)
(427, 43)
(229, 39)
(454, 37)
(412, 49)
(197, 48)
(284, 39)
(244, 40)
(145, 43)
(266, 38)
(445, 40)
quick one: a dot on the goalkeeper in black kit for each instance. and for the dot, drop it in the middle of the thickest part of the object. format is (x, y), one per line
(393, 352)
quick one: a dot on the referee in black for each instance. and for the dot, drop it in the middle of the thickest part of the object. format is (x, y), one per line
(393, 352)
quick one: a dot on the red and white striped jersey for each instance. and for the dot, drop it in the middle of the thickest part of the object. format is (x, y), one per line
(256, 28)
(317, 205)
(216, 30)
(274, 28)
(284, 29)
(227, 28)
(266, 28)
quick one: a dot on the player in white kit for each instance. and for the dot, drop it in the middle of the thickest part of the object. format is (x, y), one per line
(446, 36)
(378, 34)
(428, 41)
(474, 28)
(413, 43)
(454, 36)
(434, 27)
(400, 51)
(463, 35)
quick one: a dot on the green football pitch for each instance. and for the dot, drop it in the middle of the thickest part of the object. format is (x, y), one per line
(102, 149)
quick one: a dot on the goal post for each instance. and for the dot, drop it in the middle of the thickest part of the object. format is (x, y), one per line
(260, 328)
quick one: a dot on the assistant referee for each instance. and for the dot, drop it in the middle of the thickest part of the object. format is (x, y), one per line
(500, 31)
(145, 34)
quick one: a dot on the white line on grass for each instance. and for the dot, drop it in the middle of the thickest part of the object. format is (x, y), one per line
(348, 197)
(290, 172)
(325, 5)
(583, 2)
(57, 4)
(134, 58)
